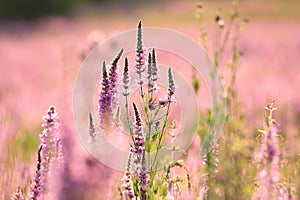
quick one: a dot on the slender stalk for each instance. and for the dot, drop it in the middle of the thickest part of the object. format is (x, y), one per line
(126, 92)
(162, 133)
(127, 116)
(148, 137)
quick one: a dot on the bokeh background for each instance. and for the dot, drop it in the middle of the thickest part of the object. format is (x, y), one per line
(42, 44)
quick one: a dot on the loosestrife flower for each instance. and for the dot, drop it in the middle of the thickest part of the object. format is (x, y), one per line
(269, 157)
(140, 66)
(149, 71)
(128, 192)
(37, 185)
(138, 150)
(152, 74)
(50, 138)
(171, 88)
(138, 146)
(154, 69)
(108, 92)
(49, 151)
(171, 91)
(268, 176)
(126, 91)
(126, 79)
(113, 79)
(92, 130)
(104, 100)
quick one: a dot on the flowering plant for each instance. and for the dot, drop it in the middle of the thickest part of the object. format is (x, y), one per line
(147, 135)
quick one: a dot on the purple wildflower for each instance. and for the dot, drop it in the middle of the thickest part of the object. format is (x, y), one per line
(104, 101)
(170, 98)
(92, 130)
(140, 52)
(126, 79)
(154, 69)
(269, 174)
(140, 66)
(50, 150)
(128, 192)
(151, 103)
(37, 185)
(152, 72)
(144, 182)
(113, 79)
(126, 92)
(171, 86)
(149, 71)
(49, 138)
(268, 155)
(138, 146)
(138, 150)
(108, 92)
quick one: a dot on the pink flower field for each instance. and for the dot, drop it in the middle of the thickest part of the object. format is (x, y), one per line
(257, 154)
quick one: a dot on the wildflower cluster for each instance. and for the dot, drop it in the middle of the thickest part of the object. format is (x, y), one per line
(147, 135)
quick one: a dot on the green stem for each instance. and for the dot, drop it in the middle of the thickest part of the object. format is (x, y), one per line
(141, 86)
(149, 123)
(127, 116)
(162, 132)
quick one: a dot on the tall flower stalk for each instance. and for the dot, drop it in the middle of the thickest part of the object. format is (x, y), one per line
(152, 76)
(268, 158)
(168, 101)
(126, 92)
(140, 60)
(49, 154)
(50, 138)
(147, 134)
(136, 167)
(234, 148)
(108, 92)
(114, 79)
(138, 151)
(104, 105)
(127, 187)
(92, 130)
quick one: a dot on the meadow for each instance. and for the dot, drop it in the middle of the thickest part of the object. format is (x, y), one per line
(257, 154)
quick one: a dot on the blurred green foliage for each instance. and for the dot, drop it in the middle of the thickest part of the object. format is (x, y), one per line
(32, 9)
(35, 8)
(25, 145)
